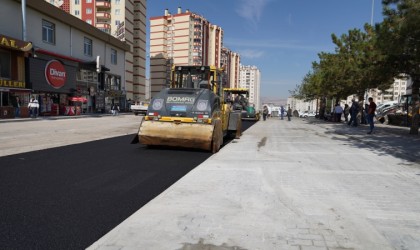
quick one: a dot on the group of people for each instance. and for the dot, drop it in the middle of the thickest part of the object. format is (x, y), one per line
(338, 112)
(267, 113)
(353, 111)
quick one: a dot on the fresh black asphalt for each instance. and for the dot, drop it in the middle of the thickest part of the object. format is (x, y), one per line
(69, 197)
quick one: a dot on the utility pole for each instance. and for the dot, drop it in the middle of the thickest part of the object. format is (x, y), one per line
(23, 20)
(371, 16)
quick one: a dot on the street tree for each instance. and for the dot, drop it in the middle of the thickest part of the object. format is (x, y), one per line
(398, 39)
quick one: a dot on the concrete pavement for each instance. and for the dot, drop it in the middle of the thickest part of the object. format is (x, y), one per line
(26, 134)
(304, 184)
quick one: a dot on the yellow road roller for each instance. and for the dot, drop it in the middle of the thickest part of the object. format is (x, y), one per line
(191, 112)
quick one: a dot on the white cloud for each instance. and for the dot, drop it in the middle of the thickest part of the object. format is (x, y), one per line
(273, 44)
(249, 53)
(251, 10)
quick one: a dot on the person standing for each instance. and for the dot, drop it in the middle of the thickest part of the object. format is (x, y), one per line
(354, 110)
(113, 107)
(282, 112)
(265, 112)
(289, 114)
(346, 112)
(16, 105)
(117, 109)
(33, 107)
(370, 114)
(36, 104)
(338, 110)
(364, 119)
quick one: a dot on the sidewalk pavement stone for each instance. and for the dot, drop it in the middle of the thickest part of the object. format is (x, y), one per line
(302, 184)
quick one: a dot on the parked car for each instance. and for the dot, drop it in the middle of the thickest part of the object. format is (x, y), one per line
(386, 105)
(307, 114)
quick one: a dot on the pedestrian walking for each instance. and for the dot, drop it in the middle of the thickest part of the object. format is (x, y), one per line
(282, 110)
(33, 107)
(346, 112)
(289, 114)
(16, 105)
(338, 110)
(117, 109)
(114, 109)
(371, 114)
(354, 110)
(265, 112)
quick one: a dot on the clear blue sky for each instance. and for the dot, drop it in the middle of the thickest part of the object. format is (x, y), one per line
(281, 37)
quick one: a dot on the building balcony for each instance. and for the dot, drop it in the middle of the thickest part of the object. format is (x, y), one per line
(103, 26)
(103, 4)
(103, 15)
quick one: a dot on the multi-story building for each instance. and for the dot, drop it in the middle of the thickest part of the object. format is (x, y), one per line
(250, 78)
(231, 62)
(125, 20)
(397, 90)
(68, 66)
(184, 38)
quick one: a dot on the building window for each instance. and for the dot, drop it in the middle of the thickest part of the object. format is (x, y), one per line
(89, 21)
(88, 1)
(48, 32)
(117, 12)
(76, 2)
(5, 61)
(117, 2)
(113, 56)
(87, 47)
(77, 12)
(117, 22)
(88, 10)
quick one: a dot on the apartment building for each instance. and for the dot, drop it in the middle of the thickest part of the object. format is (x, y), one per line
(396, 92)
(250, 78)
(183, 38)
(231, 62)
(125, 20)
(69, 66)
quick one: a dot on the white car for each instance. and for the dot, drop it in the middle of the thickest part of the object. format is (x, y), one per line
(307, 114)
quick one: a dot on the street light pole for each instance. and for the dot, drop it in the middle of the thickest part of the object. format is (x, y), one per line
(371, 16)
(23, 3)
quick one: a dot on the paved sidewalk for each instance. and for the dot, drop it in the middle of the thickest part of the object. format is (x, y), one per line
(59, 117)
(27, 134)
(303, 184)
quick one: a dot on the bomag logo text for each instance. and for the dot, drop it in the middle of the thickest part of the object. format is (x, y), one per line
(180, 99)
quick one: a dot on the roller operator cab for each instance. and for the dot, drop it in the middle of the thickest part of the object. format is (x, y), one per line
(191, 113)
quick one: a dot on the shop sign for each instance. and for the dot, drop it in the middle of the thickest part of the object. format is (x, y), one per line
(114, 93)
(12, 43)
(55, 74)
(12, 84)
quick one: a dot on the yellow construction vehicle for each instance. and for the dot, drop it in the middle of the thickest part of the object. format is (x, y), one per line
(239, 99)
(191, 113)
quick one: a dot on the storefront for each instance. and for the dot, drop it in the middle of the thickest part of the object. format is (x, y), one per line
(53, 81)
(89, 87)
(14, 92)
(113, 93)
